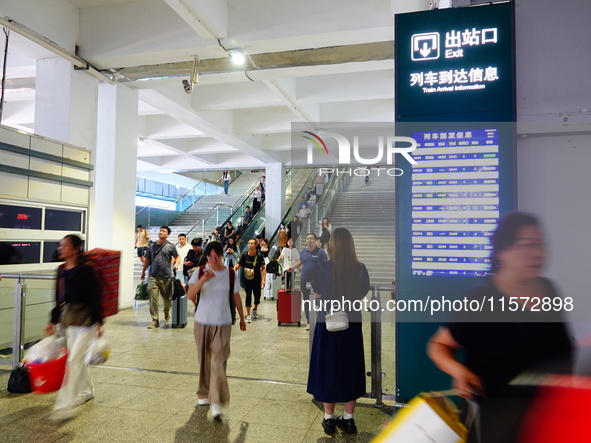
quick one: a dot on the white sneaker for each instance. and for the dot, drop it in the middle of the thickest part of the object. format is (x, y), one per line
(83, 398)
(216, 411)
(62, 414)
(249, 319)
(255, 314)
(202, 401)
(308, 327)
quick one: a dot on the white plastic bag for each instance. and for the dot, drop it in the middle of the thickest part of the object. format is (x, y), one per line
(98, 352)
(50, 348)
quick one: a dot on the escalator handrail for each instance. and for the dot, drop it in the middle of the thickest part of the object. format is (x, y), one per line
(295, 201)
(332, 184)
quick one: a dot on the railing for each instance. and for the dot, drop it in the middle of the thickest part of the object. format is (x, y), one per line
(233, 174)
(150, 215)
(18, 327)
(239, 207)
(256, 226)
(236, 211)
(216, 214)
(291, 211)
(335, 185)
(376, 373)
(237, 216)
(258, 223)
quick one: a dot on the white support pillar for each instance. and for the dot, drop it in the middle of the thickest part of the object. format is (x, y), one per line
(65, 103)
(274, 196)
(112, 221)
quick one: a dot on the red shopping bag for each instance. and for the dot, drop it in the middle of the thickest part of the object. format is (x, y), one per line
(560, 412)
(47, 377)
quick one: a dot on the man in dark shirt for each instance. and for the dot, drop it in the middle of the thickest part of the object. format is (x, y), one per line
(195, 257)
(161, 255)
(309, 258)
(294, 228)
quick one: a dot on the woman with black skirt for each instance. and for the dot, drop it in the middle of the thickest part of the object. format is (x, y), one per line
(337, 362)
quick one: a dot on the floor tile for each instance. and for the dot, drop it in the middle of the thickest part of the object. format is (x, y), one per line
(155, 400)
(297, 415)
(248, 432)
(146, 391)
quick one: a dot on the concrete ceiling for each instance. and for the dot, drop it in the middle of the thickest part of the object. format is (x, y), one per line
(306, 61)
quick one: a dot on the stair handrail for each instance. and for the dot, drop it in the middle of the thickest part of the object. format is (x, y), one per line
(335, 184)
(173, 204)
(245, 196)
(341, 181)
(202, 220)
(236, 175)
(177, 200)
(257, 224)
(291, 211)
(289, 175)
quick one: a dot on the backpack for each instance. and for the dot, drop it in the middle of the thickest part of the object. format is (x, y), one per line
(106, 265)
(232, 304)
(273, 267)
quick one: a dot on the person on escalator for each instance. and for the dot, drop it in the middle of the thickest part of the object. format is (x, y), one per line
(257, 199)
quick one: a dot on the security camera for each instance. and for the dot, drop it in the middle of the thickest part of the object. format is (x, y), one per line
(187, 86)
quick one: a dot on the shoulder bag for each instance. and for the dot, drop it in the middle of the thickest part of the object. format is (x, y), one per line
(248, 272)
(339, 320)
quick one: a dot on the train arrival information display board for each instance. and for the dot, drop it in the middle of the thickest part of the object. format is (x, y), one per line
(455, 201)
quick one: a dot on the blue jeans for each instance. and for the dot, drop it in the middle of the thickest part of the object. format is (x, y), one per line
(226, 185)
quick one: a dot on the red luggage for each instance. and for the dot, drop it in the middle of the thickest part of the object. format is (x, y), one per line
(289, 307)
(106, 264)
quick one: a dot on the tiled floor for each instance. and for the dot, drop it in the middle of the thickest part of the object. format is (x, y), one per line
(146, 391)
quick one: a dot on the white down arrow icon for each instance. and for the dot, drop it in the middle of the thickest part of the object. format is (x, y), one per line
(425, 50)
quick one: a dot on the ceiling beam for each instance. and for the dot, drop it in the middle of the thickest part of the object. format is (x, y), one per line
(211, 123)
(333, 55)
(208, 19)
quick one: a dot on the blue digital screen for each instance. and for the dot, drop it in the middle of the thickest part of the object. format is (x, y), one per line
(455, 201)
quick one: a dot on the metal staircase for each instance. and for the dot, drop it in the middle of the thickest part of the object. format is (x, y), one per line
(222, 206)
(211, 210)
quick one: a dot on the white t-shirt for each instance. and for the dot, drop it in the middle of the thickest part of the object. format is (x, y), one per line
(290, 257)
(214, 301)
(183, 251)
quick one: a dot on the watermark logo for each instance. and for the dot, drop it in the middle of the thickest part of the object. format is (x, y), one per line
(349, 153)
(317, 141)
(386, 146)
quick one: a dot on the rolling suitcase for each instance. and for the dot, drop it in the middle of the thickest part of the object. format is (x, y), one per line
(272, 286)
(179, 312)
(289, 307)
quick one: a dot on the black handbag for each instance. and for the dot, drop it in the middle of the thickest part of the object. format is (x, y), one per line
(19, 383)
(273, 267)
(178, 290)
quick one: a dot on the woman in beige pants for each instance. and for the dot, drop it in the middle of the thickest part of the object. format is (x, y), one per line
(215, 291)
